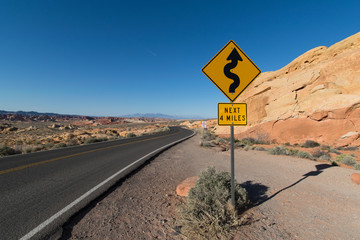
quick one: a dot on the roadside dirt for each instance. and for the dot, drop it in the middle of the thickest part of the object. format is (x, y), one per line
(293, 198)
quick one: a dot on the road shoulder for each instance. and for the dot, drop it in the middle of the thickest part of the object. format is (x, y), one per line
(289, 204)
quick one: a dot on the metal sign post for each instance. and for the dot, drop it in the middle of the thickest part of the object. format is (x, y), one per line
(232, 167)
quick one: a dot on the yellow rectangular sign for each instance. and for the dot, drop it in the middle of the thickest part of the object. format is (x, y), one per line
(231, 114)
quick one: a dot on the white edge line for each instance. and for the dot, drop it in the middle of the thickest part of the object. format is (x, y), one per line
(36, 230)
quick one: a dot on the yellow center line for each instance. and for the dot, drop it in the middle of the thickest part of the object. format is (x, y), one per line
(75, 154)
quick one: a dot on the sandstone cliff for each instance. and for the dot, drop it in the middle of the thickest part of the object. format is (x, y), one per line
(315, 97)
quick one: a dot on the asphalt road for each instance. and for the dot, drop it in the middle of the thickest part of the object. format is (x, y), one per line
(40, 191)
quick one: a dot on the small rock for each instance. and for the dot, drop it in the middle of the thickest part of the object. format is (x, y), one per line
(12, 129)
(355, 178)
(349, 134)
(183, 188)
(54, 126)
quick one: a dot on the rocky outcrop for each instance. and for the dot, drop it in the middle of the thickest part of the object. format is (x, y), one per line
(74, 119)
(315, 97)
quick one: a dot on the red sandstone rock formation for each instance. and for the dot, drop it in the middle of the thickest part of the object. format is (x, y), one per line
(315, 97)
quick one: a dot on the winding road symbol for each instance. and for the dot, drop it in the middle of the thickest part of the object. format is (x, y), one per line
(234, 57)
(231, 70)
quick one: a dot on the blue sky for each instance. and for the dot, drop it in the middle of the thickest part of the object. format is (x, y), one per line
(110, 58)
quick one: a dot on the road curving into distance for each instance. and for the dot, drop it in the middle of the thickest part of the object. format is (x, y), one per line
(40, 191)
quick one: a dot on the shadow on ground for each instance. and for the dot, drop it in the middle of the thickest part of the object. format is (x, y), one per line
(257, 191)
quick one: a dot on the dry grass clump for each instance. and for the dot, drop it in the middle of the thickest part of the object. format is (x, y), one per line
(130, 135)
(289, 152)
(259, 149)
(208, 212)
(357, 166)
(162, 129)
(5, 150)
(208, 139)
(59, 145)
(346, 159)
(321, 155)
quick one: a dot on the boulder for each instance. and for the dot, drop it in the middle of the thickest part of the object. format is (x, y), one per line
(355, 178)
(183, 188)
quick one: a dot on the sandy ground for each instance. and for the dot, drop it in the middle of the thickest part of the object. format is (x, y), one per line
(293, 198)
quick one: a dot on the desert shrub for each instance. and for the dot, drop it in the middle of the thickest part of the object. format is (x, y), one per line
(259, 149)
(351, 148)
(27, 149)
(289, 152)
(90, 140)
(49, 145)
(70, 136)
(162, 129)
(282, 151)
(311, 144)
(207, 144)
(247, 148)
(239, 145)
(72, 142)
(334, 150)
(208, 212)
(277, 150)
(222, 141)
(18, 148)
(208, 136)
(37, 147)
(130, 135)
(59, 145)
(325, 147)
(5, 150)
(326, 157)
(302, 154)
(318, 153)
(340, 157)
(287, 144)
(346, 159)
(101, 139)
(357, 166)
(248, 141)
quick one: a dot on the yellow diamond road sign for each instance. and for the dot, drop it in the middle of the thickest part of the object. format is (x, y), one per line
(231, 70)
(231, 114)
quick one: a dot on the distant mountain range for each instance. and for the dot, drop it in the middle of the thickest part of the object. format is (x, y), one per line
(137, 115)
(32, 113)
